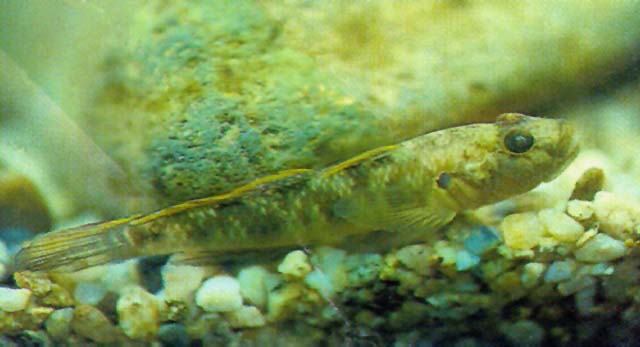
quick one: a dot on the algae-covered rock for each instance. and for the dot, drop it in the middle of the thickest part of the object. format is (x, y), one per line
(212, 94)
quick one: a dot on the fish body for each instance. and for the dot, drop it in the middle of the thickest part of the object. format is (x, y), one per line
(419, 184)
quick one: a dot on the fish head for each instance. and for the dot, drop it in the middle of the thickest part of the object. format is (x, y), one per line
(514, 155)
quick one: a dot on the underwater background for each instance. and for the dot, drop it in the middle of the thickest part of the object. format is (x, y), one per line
(112, 108)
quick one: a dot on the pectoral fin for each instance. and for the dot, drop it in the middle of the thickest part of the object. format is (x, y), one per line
(394, 212)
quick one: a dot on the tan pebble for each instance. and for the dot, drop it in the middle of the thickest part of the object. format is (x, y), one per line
(416, 258)
(617, 217)
(601, 248)
(561, 226)
(91, 323)
(586, 237)
(580, 210)
(181, 281)
(138, 314)
(522, 230)
(280, 301)
(246, 317)
(295, 264)
(12, 300)
(37, 282)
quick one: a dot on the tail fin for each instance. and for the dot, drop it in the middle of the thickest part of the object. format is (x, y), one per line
(77, 248)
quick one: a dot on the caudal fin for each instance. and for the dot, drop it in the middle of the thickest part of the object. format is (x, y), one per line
(77, 248)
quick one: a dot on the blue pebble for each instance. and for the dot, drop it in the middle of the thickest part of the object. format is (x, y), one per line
(560, 271)
(466, 260)
(481, 240)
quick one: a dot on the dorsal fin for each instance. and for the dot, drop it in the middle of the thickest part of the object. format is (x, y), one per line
(332, 170)
(253, 185)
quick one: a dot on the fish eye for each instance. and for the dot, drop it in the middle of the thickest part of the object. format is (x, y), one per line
(444, 180)
(518, 141)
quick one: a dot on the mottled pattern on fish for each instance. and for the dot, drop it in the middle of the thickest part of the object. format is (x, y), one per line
(417, 185)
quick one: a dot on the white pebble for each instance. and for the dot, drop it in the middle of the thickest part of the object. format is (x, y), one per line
(89, 293)
(219, 294)
(601, 248)
(617, 217)
(138, 314)
(181, 281)
(521, 230)
(252, 285)
(12, 300)
(561, 226)
(295, 265)
(579, 209)
(246, 317)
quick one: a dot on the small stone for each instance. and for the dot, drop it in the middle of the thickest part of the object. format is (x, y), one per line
(181, 281)
(588, 235)
(246, 317)
(219, 294)
(50, 294)
(617, 217)
(524, 333)
(295, 265)
(561, 226)
(283, 299)
(91, 323)
(362, 269)
(561, 270)
(466, 260)
(121, 276)
(58, 325)
(416, 258)
(481, 240)
(601, 248)
(331, 262)
(580, 210)
(252, 285)
(38, 283)
(89, 293)
(13, 300)
(575, 285)
(521, 230)
(174, 334)
(138, 314)
(531, 273)
(445, 253)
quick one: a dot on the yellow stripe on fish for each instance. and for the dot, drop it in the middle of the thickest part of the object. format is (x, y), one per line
(417, 185)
